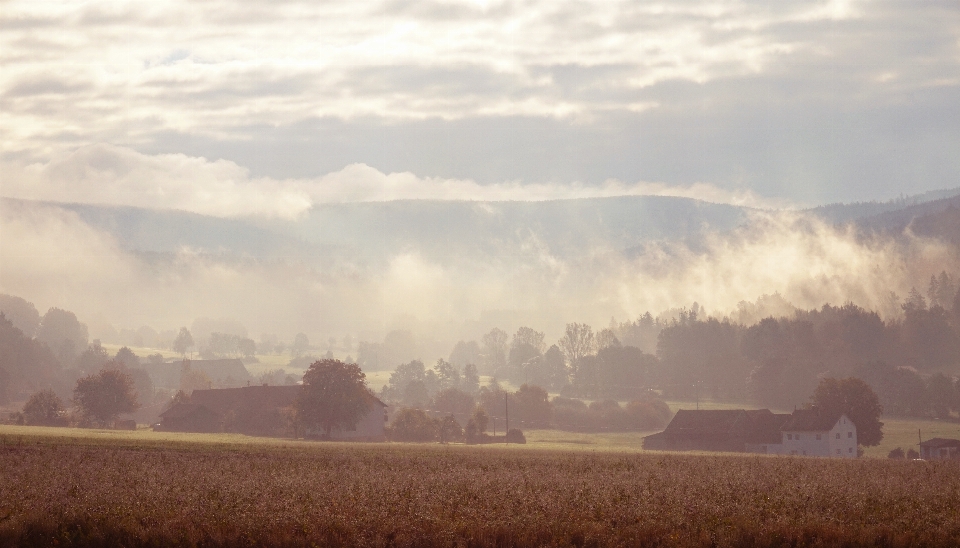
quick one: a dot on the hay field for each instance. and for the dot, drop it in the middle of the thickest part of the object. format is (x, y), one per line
(139, 490)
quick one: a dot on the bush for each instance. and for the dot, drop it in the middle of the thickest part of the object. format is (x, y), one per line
(515, 436)
(472, 432)
(609, 416)
(413, 425)
(651, 414)
(896, 453)
(44, 409)
(450, 429)
(912, 454)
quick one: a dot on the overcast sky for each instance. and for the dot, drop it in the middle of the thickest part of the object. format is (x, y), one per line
(253, 106)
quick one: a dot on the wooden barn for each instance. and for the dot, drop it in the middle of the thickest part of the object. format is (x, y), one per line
(940, 448)
(735, 430)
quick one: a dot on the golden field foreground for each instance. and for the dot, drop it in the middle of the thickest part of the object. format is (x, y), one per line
(94, 488)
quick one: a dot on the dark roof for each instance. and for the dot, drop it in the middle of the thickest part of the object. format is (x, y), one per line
(222, 400)
(811, 420)
(753, 426)
(221, 369)
(181, 410)
(935, 443)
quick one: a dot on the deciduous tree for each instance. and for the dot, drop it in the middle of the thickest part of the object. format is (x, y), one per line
(857, 400)
(45, 409)
(103, 396)
(183, 342)
(334, 395)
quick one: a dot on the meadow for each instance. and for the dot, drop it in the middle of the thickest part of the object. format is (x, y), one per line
(83, 488)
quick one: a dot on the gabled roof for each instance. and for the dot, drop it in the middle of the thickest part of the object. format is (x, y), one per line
(752, 426)
(222, 400)
(221, 369)
(182, 410)
(811, 420)
(935, 443)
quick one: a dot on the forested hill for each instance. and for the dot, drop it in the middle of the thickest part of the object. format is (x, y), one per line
(890, 213)
(434, 228)
(442, 229)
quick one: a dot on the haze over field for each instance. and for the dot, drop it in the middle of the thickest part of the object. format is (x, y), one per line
(446, 167)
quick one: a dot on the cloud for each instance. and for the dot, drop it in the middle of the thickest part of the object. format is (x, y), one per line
(110, 175)
(362, 183)
(116, 176)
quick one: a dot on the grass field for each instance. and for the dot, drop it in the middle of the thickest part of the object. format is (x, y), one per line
(83, 488)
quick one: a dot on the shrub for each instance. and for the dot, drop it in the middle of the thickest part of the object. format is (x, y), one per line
(44, 409)
(912, 454)
(413, 425)
(472, 432)
(896, 453)
(450, 429)
(515, 436)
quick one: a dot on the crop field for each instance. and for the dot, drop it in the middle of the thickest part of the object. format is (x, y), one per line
(134, 489)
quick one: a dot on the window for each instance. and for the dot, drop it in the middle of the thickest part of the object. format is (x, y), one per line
(838, 435)
(789, 436)
(818, 436)
(849, 434)
(838, 451)
(850, 450)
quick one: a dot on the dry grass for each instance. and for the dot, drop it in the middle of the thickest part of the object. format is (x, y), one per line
(128, 491)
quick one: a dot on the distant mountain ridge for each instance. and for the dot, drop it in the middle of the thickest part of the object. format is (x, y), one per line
(370, 230)
(373, 231)
(841, 213)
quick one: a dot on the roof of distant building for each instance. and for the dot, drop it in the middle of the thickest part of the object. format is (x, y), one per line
(811, 420)
(935, 443)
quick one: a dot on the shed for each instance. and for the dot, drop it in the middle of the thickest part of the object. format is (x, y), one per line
(940, 448)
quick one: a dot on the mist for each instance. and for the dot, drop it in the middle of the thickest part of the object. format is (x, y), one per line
(444, 291)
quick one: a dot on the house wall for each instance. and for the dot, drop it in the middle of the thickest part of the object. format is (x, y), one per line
(934, 453)
(805, 443)
(843, 439)
(838, 442)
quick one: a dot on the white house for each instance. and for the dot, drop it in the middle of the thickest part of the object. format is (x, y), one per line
(813, 433)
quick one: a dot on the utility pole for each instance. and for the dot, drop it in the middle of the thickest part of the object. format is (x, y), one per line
(506, 408)
(919, 444)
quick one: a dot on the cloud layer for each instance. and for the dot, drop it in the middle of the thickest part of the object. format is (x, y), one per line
(117, 176)
(810, 102)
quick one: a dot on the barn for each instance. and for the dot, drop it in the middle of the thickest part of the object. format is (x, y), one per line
(735, 430)
(803, 432)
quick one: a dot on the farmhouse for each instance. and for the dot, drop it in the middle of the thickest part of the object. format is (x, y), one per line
(940, 448)
(735, 430)
(814, 433)
(258, 410)
(804, 432)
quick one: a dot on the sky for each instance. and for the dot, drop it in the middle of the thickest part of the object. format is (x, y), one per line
(259, 111)
(248, 107)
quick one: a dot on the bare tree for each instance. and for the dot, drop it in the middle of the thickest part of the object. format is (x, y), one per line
(577, 342)
(527, 335)
(183, 342)
(494, 350)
